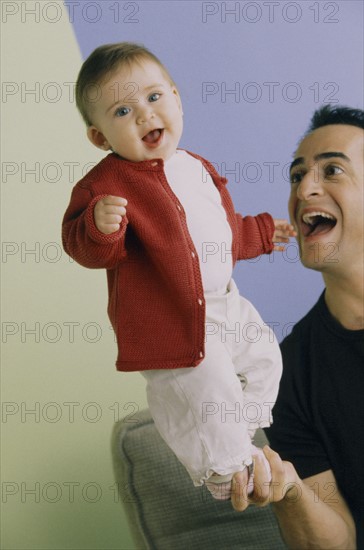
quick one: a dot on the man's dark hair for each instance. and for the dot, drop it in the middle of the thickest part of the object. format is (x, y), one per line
(340, 114)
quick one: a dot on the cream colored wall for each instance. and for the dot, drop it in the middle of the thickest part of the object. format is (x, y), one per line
(58, 351)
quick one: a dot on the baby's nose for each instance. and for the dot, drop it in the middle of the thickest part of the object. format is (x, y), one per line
(144, 115)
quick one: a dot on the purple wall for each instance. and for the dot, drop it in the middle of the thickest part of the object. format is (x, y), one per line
(250, 74)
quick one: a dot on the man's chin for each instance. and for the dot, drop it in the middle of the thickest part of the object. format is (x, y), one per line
(319, 255)
(311, 264)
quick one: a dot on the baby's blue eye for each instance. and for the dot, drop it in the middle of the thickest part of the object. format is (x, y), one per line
(122, 111)
(154, 97)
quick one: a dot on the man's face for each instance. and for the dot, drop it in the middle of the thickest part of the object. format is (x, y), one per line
(138, 114)
(326, 200)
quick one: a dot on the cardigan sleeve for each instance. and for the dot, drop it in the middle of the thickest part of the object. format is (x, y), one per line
(255, 235)
(83, 241)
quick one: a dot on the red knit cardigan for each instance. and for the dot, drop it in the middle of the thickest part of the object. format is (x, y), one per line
(156, 298)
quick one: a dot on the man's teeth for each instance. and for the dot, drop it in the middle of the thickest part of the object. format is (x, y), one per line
(310, 217)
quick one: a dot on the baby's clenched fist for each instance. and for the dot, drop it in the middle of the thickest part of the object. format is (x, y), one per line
(108, 213)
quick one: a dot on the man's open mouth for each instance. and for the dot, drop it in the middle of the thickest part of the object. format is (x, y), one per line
(153, 137)
(317, 223)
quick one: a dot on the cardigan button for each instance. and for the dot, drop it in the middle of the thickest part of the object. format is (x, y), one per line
(200, 301)
(193, 254)
(179, 208)
(201, 354)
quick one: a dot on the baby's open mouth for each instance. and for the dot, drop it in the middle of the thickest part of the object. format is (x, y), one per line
(317, 223)
(153, 136)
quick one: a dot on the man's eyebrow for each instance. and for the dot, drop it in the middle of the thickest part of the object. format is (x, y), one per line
(320, 156)
(298, 160)
(332, 154)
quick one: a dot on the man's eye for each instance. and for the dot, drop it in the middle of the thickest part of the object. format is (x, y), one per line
(296, 177)
(332, 170)
(154, 97)
(122, 111)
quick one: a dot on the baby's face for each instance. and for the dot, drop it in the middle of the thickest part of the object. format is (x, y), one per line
(137, 114)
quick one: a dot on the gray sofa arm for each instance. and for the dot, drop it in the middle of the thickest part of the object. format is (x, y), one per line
(166, 512)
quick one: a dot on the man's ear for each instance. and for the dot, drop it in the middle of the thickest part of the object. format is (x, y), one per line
(97, 138)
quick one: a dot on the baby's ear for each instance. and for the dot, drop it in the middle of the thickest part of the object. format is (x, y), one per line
(178, 97)
(97, 138)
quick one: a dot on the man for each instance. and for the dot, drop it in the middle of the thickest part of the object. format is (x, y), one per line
(317, 485)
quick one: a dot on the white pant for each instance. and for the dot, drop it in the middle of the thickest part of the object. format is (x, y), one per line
(207, 414)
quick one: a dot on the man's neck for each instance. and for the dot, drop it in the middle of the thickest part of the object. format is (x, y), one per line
(345, 300)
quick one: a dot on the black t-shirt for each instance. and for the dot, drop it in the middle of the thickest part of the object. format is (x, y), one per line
(318, 419)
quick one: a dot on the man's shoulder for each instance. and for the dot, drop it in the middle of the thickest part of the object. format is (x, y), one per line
(303, 328)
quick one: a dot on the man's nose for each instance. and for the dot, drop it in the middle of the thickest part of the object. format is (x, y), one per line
(310, 185)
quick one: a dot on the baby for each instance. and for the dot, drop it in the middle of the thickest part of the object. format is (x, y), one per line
(161, 222)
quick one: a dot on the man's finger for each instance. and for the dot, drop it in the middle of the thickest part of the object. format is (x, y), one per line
(262, 479)
(239, 491)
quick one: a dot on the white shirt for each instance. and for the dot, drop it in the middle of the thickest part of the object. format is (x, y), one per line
(206, 219)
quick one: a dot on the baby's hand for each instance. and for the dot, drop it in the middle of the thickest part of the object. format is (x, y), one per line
(283, 232)
(108, 213)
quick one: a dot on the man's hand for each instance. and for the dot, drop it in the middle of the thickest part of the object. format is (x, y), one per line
(108, 213)
(284, 480)
(309, 513)
(283, 232)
